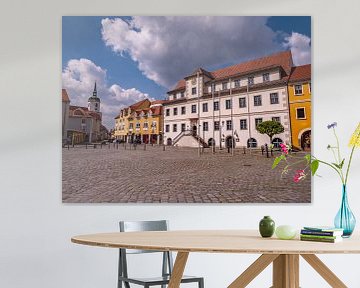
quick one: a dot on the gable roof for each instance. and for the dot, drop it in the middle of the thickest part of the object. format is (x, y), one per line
(281, 59)
(138, 104)
(65, 96)
(300, 73)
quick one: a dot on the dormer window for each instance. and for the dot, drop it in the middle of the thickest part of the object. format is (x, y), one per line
(182, 94)
(237, 83)
(224, 85)
(266, 77)
(251, 80)
(193, 91)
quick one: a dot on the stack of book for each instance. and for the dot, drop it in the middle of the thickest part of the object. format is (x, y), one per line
(321, 234)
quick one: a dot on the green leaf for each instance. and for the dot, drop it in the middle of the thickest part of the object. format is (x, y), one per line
(308, 158)
(314, 167)
(336, 165)
(342, 163)
(277, 161)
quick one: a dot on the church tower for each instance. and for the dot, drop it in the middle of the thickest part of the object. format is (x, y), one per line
(94, 102)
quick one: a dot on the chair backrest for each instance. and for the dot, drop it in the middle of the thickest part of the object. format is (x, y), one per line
(137, 226)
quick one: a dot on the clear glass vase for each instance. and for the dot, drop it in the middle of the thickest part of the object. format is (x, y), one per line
(345, 219)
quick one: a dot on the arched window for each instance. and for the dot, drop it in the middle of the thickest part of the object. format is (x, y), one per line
(276, 142)
(251, 143)
(211, 142)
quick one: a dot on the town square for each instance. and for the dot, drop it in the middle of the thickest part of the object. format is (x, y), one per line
(205, 133)
(119, 173)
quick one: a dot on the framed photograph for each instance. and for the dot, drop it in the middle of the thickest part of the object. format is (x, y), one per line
(184, 109)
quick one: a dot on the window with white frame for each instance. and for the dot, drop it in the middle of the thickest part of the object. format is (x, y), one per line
(205, 126)
(167, 112)
(183, 127)
(266, 77)
(205, 107)
(243, 124)
(193, 91)
(298, 89)
(174, 127)
(137, 125)
(167, 128)
(193, 108)
(275, 119)
(175, 111)
(224, 85)
(274, 98)
(182, 94)
(258, 121)
(257, 100)
(251, 80)
(237, 83)
(228, 125)
(216, 125)
(146, 125)
(228, 104)
(300, 113)
(183, 110)
(216, 106)
(242, 102)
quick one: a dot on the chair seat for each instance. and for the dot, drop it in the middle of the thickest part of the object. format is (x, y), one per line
(158, 280)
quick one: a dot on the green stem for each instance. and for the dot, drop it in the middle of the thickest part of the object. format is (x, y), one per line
(348, 167)
(338, 146)
(336, 169)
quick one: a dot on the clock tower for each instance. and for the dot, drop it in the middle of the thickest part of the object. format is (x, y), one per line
(94, 102)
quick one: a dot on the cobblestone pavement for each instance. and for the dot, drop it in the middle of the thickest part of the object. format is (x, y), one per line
(176, 175)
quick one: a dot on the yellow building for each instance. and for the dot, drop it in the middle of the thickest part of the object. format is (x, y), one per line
(141, 122)
(299, 89)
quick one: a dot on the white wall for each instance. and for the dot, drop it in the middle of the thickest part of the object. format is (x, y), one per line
(35, 227)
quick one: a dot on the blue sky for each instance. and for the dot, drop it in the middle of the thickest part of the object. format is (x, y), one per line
(136, 57)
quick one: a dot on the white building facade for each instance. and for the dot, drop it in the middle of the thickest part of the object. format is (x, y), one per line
(223, 107)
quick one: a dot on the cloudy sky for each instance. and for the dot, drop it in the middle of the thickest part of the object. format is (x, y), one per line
(131, 58)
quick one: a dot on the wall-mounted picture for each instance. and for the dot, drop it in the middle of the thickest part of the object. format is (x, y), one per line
(185, 109)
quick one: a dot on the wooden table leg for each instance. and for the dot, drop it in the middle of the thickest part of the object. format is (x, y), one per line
(324, 271)
(286, 271)
(178, 270)
(253, 270)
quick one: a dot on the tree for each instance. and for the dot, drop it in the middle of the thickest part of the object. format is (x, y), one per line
(270, 128)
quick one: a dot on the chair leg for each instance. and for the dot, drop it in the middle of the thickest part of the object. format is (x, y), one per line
(201, 283)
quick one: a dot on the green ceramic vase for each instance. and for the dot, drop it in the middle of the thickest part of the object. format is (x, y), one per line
(266, 227)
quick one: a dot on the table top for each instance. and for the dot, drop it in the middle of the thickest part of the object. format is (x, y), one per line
(216, 241)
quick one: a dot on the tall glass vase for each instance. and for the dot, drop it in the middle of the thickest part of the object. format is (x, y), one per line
(345, 219)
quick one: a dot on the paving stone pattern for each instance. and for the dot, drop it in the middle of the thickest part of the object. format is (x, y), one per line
(176, 175)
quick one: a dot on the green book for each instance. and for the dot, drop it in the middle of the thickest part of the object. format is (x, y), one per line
(319, 236)
(325, 240)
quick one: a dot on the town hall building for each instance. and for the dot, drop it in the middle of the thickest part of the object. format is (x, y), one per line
(223, 107)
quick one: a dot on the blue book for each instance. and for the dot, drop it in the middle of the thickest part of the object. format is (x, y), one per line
(322, 231)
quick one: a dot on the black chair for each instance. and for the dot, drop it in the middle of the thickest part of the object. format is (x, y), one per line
(167, 265)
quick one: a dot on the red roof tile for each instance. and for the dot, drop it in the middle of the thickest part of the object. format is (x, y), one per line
(282, 59)
(65, 96)
(137, 104)
(300, 73)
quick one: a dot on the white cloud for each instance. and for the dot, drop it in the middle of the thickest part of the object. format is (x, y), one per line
(300, 46)
(78, 78)
(168, 48)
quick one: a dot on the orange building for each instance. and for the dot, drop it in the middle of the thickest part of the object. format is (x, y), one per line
(141, 122)
(299, 89)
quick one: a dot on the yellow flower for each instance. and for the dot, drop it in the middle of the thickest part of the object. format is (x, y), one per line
(355, 138)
